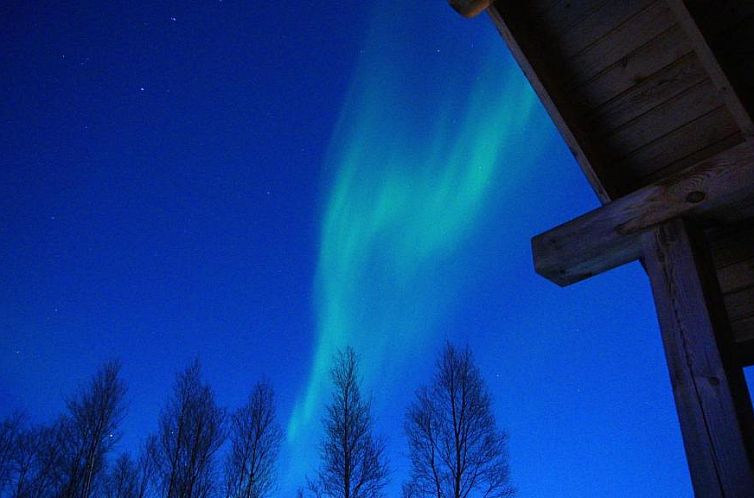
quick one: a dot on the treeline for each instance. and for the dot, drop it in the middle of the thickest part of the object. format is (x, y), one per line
(202, 451)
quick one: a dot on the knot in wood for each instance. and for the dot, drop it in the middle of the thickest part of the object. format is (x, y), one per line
(695, 197)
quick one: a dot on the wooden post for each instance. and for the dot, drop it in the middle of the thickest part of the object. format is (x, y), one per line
(713, 403)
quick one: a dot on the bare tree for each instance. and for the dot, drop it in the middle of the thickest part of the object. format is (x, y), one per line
(255, 438)
(146, 467)
(190, 433)
(10, 432)
(455, 447)
(123, 479)
(353, 460)
(91, 430)
(39, 463)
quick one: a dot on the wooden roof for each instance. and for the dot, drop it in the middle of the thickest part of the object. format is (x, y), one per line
(649, 95)
(654, 98)
(632, 84)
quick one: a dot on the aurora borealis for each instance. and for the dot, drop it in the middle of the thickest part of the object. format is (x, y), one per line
(410, 177)
(257, 186)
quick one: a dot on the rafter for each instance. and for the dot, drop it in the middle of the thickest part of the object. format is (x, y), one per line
(711, 64)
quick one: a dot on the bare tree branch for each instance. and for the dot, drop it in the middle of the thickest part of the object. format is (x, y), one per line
(255, 438)
(456, 449)
(354, 464)
(190, 433)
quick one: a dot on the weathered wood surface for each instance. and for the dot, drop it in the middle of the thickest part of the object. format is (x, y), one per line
(732, 249)
(671, 152)
(728, 28)
(712, 65)
(469, 8)
(732, 244)
(710, 392)
(636, 67)
(609, 236)
(623, 38)
(598, 21)
(734, 48)
(563, 16)
(651, 92)
(683, 108)
(743, 332)
(528, 50)
(711, 141)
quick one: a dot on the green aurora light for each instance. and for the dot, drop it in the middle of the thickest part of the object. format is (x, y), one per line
(411, 175)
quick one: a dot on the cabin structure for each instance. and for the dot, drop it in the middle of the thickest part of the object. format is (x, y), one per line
(655, 99)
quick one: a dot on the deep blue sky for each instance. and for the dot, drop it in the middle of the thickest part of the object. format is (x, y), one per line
(257, 183)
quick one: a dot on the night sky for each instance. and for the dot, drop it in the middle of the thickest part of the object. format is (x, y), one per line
(258, 184)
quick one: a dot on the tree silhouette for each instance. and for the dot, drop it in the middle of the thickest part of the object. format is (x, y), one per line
(455, 447)
(10, 433)
(353, 460)
(190, 433)
(90, 430)
(255, 438)
(123, 479)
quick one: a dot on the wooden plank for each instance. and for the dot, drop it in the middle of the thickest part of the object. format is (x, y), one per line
(740, 304)
(533, 60)
(559, 16)
(732, 250)
(632, 69)
(734, 47)
(659, 121)
(620, 42)
(684, 162)
(743, 329)
(694, 136)
(743, 332)
(653, 91)
(610, 236)
(598, 23)
(709, 60)
(736, 277)
(712, 400)
(732, 244)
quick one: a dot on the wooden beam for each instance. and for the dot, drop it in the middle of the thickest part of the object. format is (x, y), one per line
(515, 28)
(610, 236)
(721, 81)
(712, 400)
(469, 8)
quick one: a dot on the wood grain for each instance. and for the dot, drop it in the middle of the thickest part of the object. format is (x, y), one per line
(712, 401)
(732, 244)
(624, 39)
(635, 67)
(646, 95)
(659, 121)
(610, 236)
(711, 63)
(694, 136)
(596, 24)
(510, 18)
(684, 161)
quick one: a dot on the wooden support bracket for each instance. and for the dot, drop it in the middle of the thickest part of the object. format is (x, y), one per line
(610, 236)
